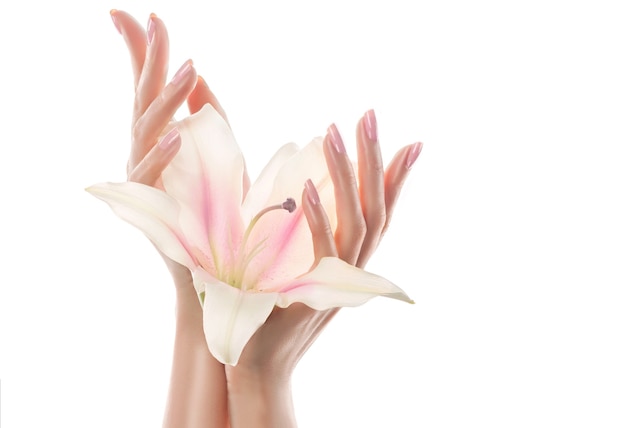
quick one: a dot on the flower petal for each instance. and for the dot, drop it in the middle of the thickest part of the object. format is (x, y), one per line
(206, 178)
(334, 283)
(151, 211)
(258, 195)
(287, 244)
(231, 316)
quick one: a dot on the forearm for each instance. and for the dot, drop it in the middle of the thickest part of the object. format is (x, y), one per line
(258, 400)
(197, 395)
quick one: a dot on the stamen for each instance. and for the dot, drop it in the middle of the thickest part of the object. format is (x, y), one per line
(289, 205)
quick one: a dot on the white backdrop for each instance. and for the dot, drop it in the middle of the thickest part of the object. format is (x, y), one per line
(510, 235)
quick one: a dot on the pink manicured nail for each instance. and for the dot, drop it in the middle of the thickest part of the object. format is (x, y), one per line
(151, 28)
(117, 25)
(335, 139)
(311, 192)
(170, 139)
(182, 72)
(413, 155)
(371, 127)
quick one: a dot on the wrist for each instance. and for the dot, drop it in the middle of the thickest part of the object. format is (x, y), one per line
(259, 399)
(188, 306)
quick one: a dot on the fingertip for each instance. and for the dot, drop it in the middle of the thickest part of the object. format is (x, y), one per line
(370, 126)
(170, 140)
(113, 13)
(335, 139)
(413, 154)
(311, 192)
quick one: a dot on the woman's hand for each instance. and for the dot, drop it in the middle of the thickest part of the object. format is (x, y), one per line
(155, 105)
(259, 386)
(197, 395)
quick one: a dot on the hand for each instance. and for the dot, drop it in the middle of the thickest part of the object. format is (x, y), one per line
(260, 384)
(155, 105)
(197, 394)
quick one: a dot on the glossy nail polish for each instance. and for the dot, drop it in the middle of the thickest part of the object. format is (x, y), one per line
(182, 72)
(311, 192)
(170, 139)
(117, 25)
(370, 125)
(151, 28)
(336, 139)
(413, 155)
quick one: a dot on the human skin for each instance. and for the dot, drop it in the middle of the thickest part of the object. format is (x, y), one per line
(256, 392)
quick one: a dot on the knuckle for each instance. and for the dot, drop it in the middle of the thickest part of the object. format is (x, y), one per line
(376, 219)
(323, 231)
(137, 133)
(377, 168)
(359, 230)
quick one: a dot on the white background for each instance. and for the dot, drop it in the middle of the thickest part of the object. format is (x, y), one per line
(510, 235)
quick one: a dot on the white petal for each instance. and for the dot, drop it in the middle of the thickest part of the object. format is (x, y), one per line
(231, 316)
(206, 178)
(308, 163)
(334, 283)
(150, 210)
(258, 195)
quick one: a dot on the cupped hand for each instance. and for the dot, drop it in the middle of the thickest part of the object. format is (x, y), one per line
(364, 204)
(259, 387)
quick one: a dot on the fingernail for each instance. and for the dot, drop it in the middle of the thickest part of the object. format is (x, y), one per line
(117, 25)
(170, 139)
(311, 192)
(335, 139)
(371, 127)
(413, 155)
(182, 72)
(151, 28)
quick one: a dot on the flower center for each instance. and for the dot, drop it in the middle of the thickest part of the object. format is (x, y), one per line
(244, 258)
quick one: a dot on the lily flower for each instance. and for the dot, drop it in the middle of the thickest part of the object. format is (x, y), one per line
(246, 254)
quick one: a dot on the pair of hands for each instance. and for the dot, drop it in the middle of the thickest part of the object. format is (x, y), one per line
(364, 202)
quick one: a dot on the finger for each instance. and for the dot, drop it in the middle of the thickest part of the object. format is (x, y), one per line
(371, 184)
(323, 246)
(202, 95)
(154, 71)
(152, 165)
(160, 112)
(395, 175)
(135, 38)
(350, 222)
(323, 240)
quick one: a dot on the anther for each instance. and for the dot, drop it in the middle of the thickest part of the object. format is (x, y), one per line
(289, 205)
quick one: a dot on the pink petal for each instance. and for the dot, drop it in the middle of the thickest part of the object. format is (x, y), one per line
(206, 178)
(287, 243)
